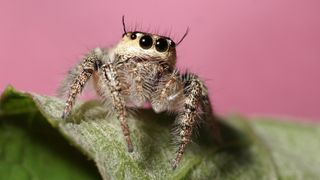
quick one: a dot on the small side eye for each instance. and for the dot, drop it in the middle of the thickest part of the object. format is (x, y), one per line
(162, 45)
(146, 42)
(173, 44)
(133, 36)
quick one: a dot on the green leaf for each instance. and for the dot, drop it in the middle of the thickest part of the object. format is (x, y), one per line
(257, 149)
(31, 149)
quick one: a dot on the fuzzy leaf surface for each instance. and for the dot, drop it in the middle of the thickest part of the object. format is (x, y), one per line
(34, 144)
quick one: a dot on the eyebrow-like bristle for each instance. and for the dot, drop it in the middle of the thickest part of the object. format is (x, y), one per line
(152, 34)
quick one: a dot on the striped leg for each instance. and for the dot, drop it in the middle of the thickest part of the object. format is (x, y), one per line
(79, 76)
(166, 93)
(111, 78)
(190, 113)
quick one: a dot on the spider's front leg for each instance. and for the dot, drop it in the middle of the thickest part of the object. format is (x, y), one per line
(79, 75)
(111, 79)
(194, 92)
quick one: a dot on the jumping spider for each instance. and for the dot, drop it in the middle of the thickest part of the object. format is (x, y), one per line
(139, 69)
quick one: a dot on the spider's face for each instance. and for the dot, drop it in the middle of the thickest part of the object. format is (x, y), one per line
(147, 47)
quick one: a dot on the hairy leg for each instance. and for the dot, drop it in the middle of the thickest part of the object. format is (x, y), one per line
(167, 91)
(78, 77)
(111, 78)
(189, 113)
(138, 89)
(188, 95)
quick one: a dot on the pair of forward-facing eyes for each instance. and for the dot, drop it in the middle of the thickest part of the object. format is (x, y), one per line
(146, 41)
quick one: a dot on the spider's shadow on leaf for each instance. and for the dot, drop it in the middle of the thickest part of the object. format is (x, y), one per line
(234, 146)
(90, 110)
(233, 143)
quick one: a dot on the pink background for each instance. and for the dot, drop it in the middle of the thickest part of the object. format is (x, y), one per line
(257, 56)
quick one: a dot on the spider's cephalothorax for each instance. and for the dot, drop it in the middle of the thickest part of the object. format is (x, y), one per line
(140, 69)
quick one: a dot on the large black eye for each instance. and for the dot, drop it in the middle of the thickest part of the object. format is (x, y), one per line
(146, 42)
(162, 45)
(133, 35)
